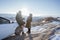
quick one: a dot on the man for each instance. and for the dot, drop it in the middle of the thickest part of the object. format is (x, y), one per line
(28, 23)
(19, 18)
(20, 22)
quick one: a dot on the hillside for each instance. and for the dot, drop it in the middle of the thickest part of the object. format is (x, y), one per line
(47, 31)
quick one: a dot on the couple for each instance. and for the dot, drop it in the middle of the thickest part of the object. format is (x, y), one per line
(22, 24)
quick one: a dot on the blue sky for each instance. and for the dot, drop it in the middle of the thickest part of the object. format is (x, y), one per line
(36, 7)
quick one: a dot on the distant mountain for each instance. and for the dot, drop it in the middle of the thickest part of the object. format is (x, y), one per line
(7, 15)
(36, 19)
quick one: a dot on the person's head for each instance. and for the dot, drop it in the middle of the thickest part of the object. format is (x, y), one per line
(30, 14)
(19, 12)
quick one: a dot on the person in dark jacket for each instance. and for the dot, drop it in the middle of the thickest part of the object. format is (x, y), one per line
(20, 22)
(28, 23)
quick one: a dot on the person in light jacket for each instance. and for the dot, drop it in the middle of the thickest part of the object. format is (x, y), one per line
(20, 22)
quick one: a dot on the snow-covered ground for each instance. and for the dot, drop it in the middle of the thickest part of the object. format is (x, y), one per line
(8, 29)
(57, 37)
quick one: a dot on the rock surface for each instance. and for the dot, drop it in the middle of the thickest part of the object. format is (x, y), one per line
(50, 27)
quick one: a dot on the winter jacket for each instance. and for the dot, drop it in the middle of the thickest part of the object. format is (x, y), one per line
(28, 22)
(19, 19)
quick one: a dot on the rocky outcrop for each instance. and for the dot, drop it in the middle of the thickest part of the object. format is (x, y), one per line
(44, 21)
(45, 35)
(2, 19)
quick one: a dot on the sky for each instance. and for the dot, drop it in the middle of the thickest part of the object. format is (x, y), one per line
(36, 7)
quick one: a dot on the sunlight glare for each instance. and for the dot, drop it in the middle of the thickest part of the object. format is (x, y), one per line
(25, 11)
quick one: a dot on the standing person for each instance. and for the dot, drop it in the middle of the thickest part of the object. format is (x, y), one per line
(20, 22)
(28, 23)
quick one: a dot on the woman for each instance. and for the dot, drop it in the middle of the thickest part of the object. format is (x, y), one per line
(28, 23)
